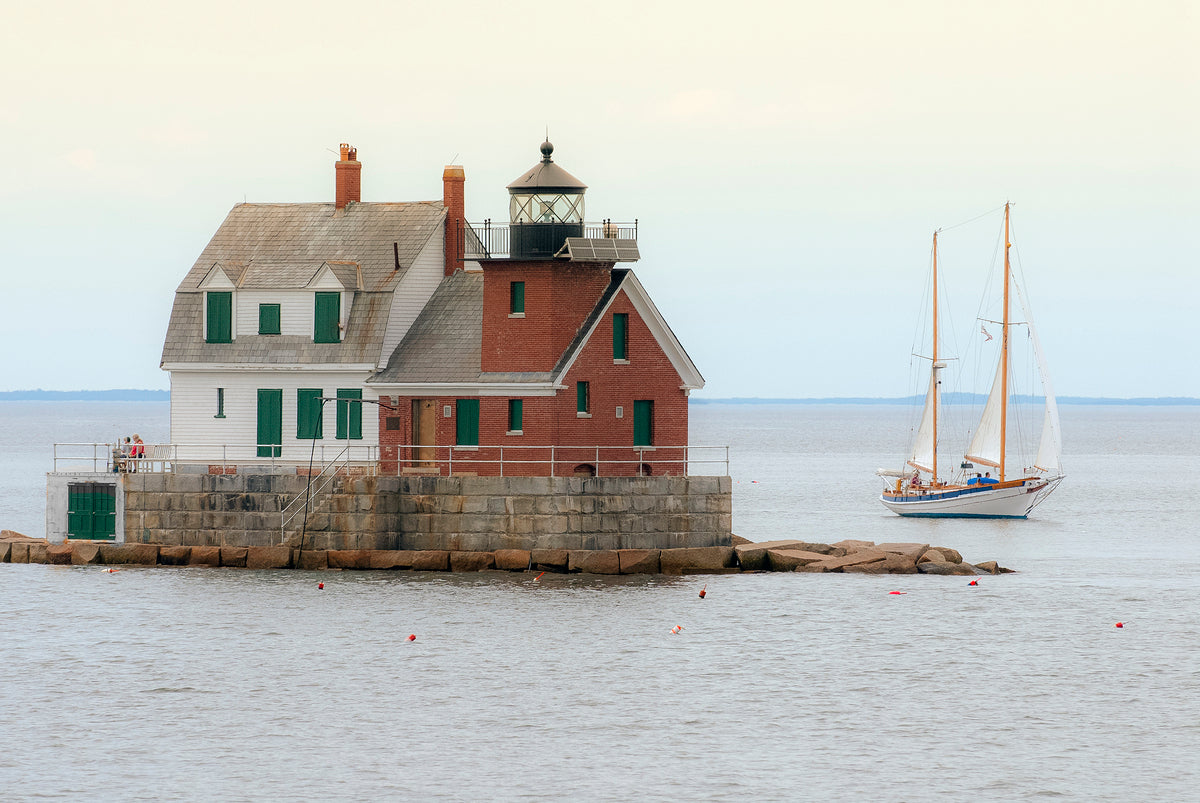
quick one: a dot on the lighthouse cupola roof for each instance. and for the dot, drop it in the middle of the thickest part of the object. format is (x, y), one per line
(546, 176)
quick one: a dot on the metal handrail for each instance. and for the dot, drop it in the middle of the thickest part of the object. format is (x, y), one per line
(488, 240)
(448, 458)
(325, 478)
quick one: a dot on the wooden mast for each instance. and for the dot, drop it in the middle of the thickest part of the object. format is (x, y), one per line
(933, 480)
(1004, 352)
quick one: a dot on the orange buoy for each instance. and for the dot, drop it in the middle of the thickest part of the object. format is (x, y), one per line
(897, 592)
(539, 577)
(676, 629)
(703, 592)
(1119, 624)
(412, 637)
(320, 585)
(974, 582)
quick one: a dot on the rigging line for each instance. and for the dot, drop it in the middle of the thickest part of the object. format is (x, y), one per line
(972, 220)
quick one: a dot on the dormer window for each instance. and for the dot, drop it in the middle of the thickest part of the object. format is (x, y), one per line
(327, 316)
(219, 317)
(268, 319)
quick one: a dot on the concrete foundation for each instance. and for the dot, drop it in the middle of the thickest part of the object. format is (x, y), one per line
(458, 514)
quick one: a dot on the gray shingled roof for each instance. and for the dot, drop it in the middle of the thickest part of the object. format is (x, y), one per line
(444, 342)
(283, 246)
(314, 233)
(364, 334)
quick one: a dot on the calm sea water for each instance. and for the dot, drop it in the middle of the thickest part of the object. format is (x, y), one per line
(188, 684)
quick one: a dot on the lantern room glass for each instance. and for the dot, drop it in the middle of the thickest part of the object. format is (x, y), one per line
(546, 207)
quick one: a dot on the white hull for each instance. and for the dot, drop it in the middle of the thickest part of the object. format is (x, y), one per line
(1011, 502)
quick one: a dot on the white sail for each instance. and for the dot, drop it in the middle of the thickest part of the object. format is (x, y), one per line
(985, 446)
(924, 446)
(1049, 454)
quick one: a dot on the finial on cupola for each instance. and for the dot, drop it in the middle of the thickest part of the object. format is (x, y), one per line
(547, 149)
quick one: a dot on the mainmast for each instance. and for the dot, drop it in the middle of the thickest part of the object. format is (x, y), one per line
(1004, 351)
(933, 481)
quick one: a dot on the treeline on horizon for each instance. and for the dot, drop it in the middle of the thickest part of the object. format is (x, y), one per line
(129, 394)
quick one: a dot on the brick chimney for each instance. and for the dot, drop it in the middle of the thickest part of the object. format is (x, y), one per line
(453, 180)
(348, 172)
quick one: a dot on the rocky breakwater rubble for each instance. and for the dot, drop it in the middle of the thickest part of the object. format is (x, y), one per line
(857, 557)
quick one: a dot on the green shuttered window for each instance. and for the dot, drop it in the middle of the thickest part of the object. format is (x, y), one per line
(583, 400)
(326, 315)
(643, 423)
(308, 414)
(516, 298)
(620, 336)
(466, 412)
(220, 318)
(270, 422)
(349, 414)
(268, 319)
(515, 414)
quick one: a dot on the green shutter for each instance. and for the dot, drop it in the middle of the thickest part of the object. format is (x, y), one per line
(326, 315)
(515, 413)
(620, 336)
(270, 423)
(308, 414)
(467, 424)
(349, 415)
(268, 319)
(582, 402)
(643, 423)
(516, 297)
(220, 318)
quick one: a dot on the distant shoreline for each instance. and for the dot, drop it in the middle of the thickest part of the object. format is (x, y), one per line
(130, 394)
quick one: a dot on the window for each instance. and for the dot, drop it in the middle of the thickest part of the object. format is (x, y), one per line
(349, 414)
(220, 318)
(270, 423)
(467, 422)
(268, 319)
(583, 401)
(516, 298)
(308, 414)
(643, 423)
(515, 410)
(220, 403)
(620, 336)
(327, 314)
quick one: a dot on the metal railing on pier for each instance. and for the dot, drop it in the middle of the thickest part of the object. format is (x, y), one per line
(404, 459)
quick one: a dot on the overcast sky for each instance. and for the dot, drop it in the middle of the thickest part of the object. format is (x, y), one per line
(787, 161)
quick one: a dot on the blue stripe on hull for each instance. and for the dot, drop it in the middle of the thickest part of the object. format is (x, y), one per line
(908, 515)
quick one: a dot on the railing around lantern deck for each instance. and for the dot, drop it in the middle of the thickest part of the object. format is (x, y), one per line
(488, 240)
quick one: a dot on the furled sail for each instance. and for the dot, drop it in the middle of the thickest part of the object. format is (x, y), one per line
(924, 446)
(985, 446)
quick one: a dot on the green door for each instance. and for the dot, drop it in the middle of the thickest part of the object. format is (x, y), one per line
(92, 511)
(466, 427)
(270, 423)
(643, 423)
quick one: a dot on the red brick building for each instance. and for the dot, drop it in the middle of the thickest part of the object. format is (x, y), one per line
(537, 353)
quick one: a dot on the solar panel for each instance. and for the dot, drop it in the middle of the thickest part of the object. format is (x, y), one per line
(589, 249)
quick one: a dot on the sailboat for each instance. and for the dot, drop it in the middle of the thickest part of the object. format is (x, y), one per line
(920, 489)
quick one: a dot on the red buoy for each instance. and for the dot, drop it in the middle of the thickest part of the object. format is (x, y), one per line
(897, 592)
(539, 577)
(412, 637)
(1120, 624)
(320, 585)
(702, 591)
(974, 582)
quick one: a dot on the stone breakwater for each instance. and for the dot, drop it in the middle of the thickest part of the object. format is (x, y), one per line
(858, 557)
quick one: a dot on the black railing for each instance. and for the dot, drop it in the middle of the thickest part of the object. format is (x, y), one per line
(488, 240)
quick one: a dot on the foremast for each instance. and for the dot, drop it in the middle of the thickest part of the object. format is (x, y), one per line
(1004, 351)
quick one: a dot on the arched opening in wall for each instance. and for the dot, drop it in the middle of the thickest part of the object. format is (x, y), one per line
(644, 470)
(585, 470)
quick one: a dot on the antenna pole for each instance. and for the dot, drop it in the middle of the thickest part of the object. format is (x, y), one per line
(935, 360)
